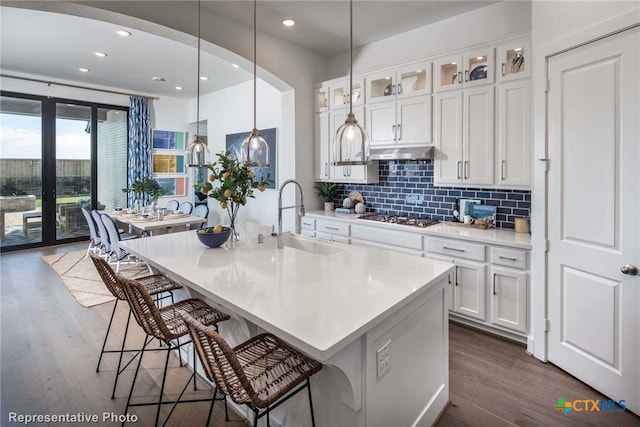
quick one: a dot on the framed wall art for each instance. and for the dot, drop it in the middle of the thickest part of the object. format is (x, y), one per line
(234, 141)
(168, 140)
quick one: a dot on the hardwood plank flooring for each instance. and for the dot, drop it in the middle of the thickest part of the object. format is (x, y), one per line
(49, 346)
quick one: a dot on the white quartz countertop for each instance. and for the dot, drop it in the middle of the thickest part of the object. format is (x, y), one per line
(496, 236)
(318, 296)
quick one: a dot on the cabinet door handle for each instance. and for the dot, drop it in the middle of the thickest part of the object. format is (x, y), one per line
(466, 169)
(502, 170)
(466, 75)
(504, 69)
(331, 228)
(326, 169)
(399, 132)
(324, 104)
(458, 169)
(399, 88)
(494, 283)
(456, 275)
(393, 90)
(459, 76)
(393, 131)
(507, 258)
(453, 249)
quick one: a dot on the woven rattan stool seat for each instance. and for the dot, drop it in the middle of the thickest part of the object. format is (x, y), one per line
(197, 308)
(258, 372)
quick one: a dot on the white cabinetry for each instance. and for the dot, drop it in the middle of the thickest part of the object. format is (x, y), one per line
(514, 134)
(514, 59)
(322, 147)
(356, 174)
(335, 231)
(399, 106)
(464, 135)
(339, 93)
(472, 68)
(403, 241)
(308, 226)
(509, 288)
(321, 97)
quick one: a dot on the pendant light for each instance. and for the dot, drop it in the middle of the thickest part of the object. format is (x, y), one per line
(254, 149)
(350, 135)
(197, 152)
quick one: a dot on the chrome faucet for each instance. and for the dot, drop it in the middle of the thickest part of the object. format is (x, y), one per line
(280, 209)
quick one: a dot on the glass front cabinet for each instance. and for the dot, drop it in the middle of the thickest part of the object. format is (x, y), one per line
(340, 95)
(403, 82)
(514, 59)
(473, 68)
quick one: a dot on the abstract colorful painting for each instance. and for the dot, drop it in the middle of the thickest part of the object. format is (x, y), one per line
(168, 140)
(168, 163)
(174, 186)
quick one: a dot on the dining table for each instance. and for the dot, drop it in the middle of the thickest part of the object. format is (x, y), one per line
(147, 224)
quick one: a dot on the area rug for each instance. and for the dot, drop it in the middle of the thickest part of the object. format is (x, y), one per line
(81, 278)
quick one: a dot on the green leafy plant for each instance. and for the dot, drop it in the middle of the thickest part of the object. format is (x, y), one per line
(146, 185)
(327, 190)
(231, 184)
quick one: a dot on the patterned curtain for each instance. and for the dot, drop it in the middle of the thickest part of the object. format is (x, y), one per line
(139, 148)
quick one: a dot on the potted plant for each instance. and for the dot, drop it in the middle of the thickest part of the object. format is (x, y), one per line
(148, 186)
(328, 191)
(235, 185)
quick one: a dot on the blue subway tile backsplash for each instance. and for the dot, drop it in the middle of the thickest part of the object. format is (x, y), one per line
(406, 188)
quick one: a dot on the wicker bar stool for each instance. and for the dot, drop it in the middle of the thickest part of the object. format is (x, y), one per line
(166, 325)
(260, 373)
(155, 284)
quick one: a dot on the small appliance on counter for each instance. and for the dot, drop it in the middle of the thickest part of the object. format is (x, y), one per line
(463, 208)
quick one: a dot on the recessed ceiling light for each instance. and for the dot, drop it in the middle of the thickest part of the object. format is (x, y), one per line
(235, 65)
(158, 79)
(123, 33)
(204, 78)
(178, 87)
(100, 54)
(84, 70)
(288, 22)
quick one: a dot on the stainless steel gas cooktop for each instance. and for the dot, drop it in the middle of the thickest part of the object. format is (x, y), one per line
(397, 219)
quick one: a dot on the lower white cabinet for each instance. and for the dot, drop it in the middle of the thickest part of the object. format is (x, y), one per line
(469, 292)
(335, 231)
(403, 241)
(509, 298)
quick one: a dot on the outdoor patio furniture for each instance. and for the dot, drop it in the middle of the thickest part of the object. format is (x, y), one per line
(31, 220)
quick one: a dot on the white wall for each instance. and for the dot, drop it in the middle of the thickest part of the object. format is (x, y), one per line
(231, 111)
(480, 26)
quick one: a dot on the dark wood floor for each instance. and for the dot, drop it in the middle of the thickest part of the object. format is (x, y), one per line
(49, 346)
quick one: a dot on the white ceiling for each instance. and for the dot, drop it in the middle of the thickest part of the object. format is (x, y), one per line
(56, 45)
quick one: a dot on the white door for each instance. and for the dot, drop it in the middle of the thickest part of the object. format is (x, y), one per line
(381, 123)
(448, 159)
(509, 298)
(322, 141)
(514, 134)
(594, 214)
(469, 289)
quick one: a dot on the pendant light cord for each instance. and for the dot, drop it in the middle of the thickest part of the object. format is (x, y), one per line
(350, 55)
(255, 49)
(198, 81)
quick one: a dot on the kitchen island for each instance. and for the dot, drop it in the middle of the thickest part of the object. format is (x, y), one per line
(375, 318)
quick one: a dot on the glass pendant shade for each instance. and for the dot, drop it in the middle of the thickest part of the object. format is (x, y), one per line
(254, 151)
(197, 154)
(350, 145)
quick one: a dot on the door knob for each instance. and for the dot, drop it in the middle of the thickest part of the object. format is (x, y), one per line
(629, 269)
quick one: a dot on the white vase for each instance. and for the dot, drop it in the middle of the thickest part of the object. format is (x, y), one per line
(328, 206)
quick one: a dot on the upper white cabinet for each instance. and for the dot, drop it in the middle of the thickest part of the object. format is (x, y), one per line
(406, 121)
(465, 137)
(514, 59)
(514, 134)
(322, 147)
(473, 68)
(410, 80)
(358, 174)
(339, 93)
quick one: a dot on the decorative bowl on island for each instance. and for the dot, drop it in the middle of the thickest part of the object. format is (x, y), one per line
(213, 236)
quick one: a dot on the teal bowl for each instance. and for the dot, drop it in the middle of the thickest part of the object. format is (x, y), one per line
(213, 240)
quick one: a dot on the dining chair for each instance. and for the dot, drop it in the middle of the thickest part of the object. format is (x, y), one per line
(155, 284)
(102, 232)
(186, 207)
(117, 253)
(201, 211)
(94, 240)
(261, 373)
(166, 325)
(172, 205)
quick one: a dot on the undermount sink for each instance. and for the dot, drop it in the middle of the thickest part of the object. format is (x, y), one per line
(313, 247)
